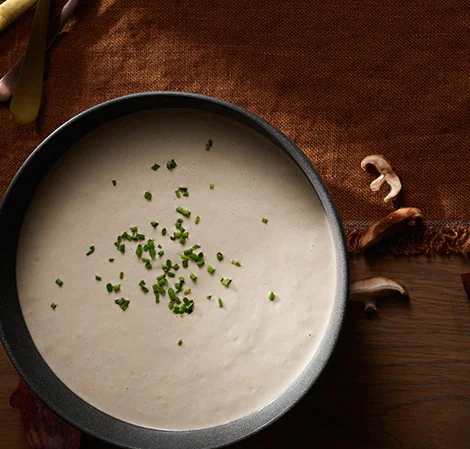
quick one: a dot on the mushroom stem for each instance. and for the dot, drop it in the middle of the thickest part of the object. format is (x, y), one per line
(386, 175)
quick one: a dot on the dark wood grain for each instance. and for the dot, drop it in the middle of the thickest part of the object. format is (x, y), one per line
(398, 380)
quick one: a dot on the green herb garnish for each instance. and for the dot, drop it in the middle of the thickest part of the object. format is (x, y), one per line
(98, 278)
(220, 257)
(171, 164)
(209, 297)
(164, 232)
(111, 259)
(122, 303)
(193, 277)
(185, 264)
(180, 342)
(221, 304)
(148, 196)
(209, 145)
(122, 248)
(114, 182)
(211, 186)
(121, 275)
(272, 295)
(211, 269)
(197, 220)
(183, 211)
(237, 263)
(264, 220)
(154, 224)
(59, 282)
(117, 287)
(187, 292)
(226, 282)
(155, 167)
(91, 250)
(53, 306)
(109, 287)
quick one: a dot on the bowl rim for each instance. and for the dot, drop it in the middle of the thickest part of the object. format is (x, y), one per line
(18, 342)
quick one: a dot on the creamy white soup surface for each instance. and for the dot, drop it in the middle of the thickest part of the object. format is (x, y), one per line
(131, 364)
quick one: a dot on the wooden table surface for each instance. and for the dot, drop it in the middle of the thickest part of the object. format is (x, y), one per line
(398, 380)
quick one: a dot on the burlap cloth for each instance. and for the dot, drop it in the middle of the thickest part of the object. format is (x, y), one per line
(343, 79)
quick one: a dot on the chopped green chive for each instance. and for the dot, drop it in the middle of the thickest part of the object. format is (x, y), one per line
(209, 145)
(164, 232)
(122, 248)
(139, 250)
(272, 295)
(172, 294)
(211, 186)
(161, 253)
(109, 287)
(122, 303)
(221, 304)
(171, 274)
(59, 282)
(211, 269)
(114, 183)
(187, 291)
(53, 306)
(171, 164)
(148, 265)
(180, 342)
(177, 193)
(117, 287)
(183, 211)
(176, 267)
(121, 275)
(134, 229)
(148, 196)
(91, 250)
(237, 263)
(155, 167)
(264, 220)
(185, 264)
(209, 297)
(97, 277)
(226, 282)
(197, 220)
(193, 277)
(220, 257)
(154, 224)
(111, 259)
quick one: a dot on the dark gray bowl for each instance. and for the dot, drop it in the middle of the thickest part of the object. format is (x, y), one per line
(17, 340)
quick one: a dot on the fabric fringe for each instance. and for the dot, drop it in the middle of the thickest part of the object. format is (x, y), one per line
(426, 238)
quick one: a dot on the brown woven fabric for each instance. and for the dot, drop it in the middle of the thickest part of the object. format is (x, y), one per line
(343, 79)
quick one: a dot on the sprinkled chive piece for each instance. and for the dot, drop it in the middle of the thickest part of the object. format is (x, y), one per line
(164, 232)
(180, 342)
(121, 275)
(171, 164)
(181, 191)
(53, 306)
(111, 259)
(209, 297)
(59, 282)
(134, 229)
(211, 269)
(220, 256)
(98, 277)
(114, 182)
(211, 186)
(183, 211)
(272, 295)
(193, 277)
(185, 264)
(161, 253)
(226, 282)
(197, 220)
(264, 220)
(171, 274)
(91, 250)
(139, 251)
(122, 303)
(109, 287)
(221, 304)
(148, 196)
(187, 291)
(237, 263)
(154, 224)
(122, 248)
(117, 287)
(209, 144)
(155, 167)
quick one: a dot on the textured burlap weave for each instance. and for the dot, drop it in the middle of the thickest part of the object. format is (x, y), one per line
(343, 79)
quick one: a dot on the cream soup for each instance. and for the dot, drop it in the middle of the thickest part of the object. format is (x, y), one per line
(232, 360)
